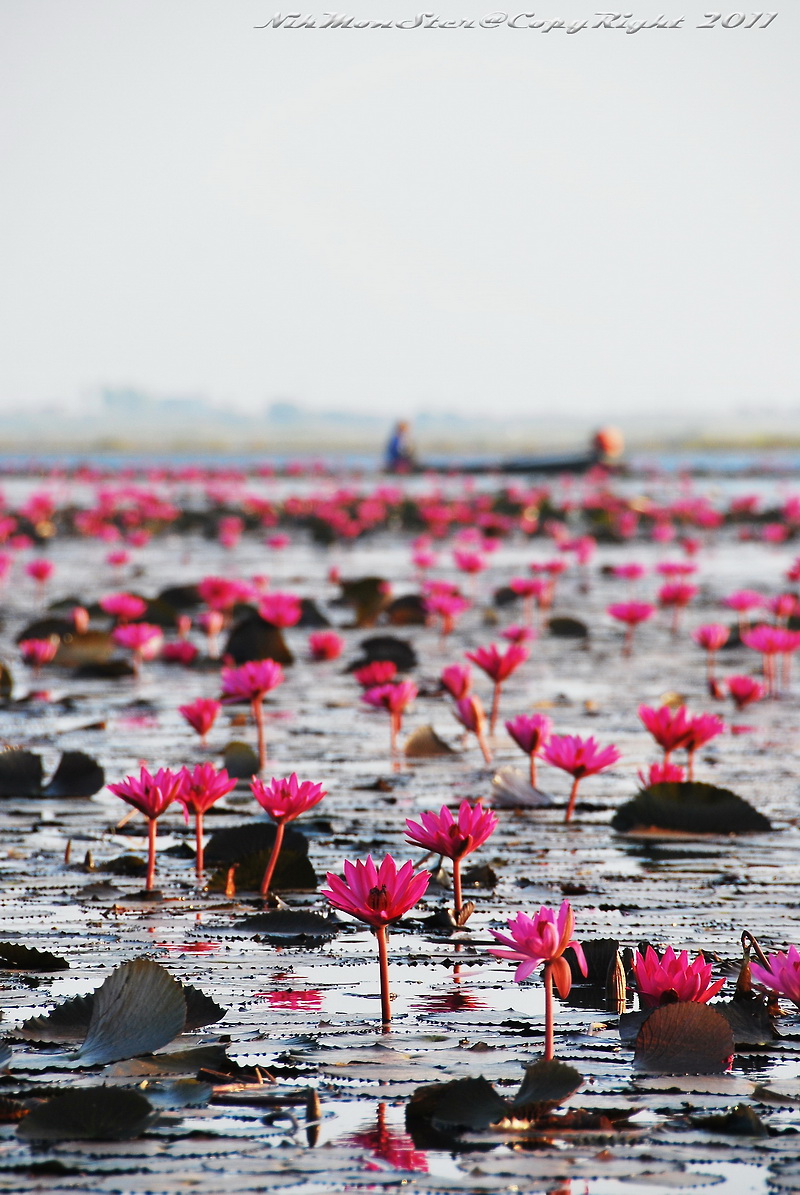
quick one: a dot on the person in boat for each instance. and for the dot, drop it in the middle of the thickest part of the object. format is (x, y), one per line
(400, 456)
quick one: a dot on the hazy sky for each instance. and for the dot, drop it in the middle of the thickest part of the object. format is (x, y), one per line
(463, 219)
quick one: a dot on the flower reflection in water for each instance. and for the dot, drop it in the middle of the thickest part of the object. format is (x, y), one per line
(389, 1145)
(302, 1001)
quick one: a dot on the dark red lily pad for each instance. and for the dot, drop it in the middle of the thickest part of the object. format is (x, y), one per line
(748, 1017)
(20, 773)
(17, 957)
(255, 639)
(689, 807)
(458, 1106)
(741, 1121)
(291, 926)
(366, 597)
(546, 1084)
(406, 611)
(139, 1008)
(235, 843)
(77, 775)
(684, 1039)
(425, 743)
(240, 760)
(385, 647)
(89, 1114)
(564, 627)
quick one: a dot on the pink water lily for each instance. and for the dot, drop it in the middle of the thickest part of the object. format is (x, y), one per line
(201, 714)
(251, 682)
(673, 977)
(782, 975)
(579, 757)
(395, 699)
(542, 939)
(453, 837)
(377, 896)
(498, 666)
(471, 714)
(530, 732)
(199, 789)
(284, 800)
(151, 795)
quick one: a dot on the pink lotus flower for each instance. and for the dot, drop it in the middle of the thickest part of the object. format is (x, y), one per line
(628, 572)
(457, 679)
(743, 601)
(280, 609)
(498, 666)
(221, 593)
(661, 773)
(770, 642)
(783, 606)
(469, 562)
(378, 672)
(712, 636)
(151, 795)
(182, 652)
(325, 645)
(701, 729)
(579, 757)
(530, 732)
(142, 638)
(676, 568)
(673, 977)
(40, 571)
(36, 652)
(448, 606)
(395, 699)
(631, 613)
(668, 727)
(676, 595)
(441, 833)
(744, 689)
(284, 800)
(543, 938)
(201, 715)
(377, 896)
(125, 607)
(518, 634)
(471, 714)
(198, 791)
(118, 558)
(250, 682)
(782, 975)
(532, 590)
(212, 622)
(80, 619)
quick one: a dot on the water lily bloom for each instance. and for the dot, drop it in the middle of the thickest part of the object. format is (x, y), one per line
(198, 791)
(579, 757)
(782, 975)
(212, 622)
(700, 729)
(125, 607)
(283, 800)
(453, 837)
(151, 795)
(377, 896)
(395, 699)
(325, 645)
(631, 613)
(674, 977)
(378, 672)
(770, 642)
(519, 634)
(280, 609)
(532, 590)
(181, 652)
(36, 652)
(457, 679)
(543, 938)
(40, 570)
(469, 562)
(661, 773)
(250, 682)
(744, 689)
(530, 732)
(470, 713)
(676, 595)
(498, 666)
(448, 606)
(667, 726)
(143, 639)
(201, 715)
(628, 572)
(221, 593)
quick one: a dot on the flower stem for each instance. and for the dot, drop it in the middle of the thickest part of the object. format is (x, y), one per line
(484, 746)
(549, 1052)
(151, 853)
(258, 714)
(198, 838)
(273, 858)
(394, 728)
(457, 885)
(571, 802)
(495, 708)
(383, 958)
(533, 770)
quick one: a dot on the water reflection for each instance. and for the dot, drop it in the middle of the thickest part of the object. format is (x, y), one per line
(389, 1144)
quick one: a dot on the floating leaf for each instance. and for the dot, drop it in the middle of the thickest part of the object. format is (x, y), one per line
(741, 1121)
(89, 1114)
(92, 647)
(125, 865)
(181, 597)
(43, 628)
(311, 616)
(386, 647)
(568, 628)
(77, 775)
(366, 597)
(67, 1024)
(546, 1084)
(291, 926)
(256, 639)
(457, 1106)
(425, 743)
(512, 789)
(178, 1062)
(27, 958)
(104, 670)
(406, 611)
(600, 953)
(236, 843)
(201, 1009)
(6, 683)
(182, 1093)
(20, 773)
(684, 1039)
(139, 1008)
(690, 807)
(748, 1017)
(293, 873)
(240, 760)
